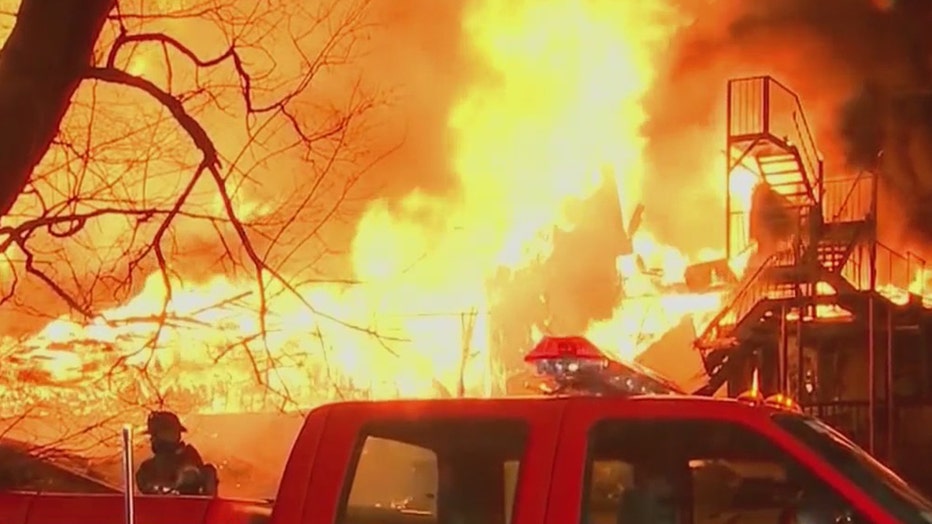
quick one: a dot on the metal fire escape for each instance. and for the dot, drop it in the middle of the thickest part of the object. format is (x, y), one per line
(825, 263)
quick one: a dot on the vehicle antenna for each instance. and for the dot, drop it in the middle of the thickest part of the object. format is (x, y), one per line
(129, 487)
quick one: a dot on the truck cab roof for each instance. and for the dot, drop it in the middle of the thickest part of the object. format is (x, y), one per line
(408, 408)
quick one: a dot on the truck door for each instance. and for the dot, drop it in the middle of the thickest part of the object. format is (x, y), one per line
(659, 462)
(472, 462)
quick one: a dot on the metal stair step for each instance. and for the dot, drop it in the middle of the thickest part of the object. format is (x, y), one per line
(786, 189)
(791, 162)
(784, 173)
(789, 188)
(785, 178)
(777, 158)
(786, 182)
(769, 174)
(796, 195)
(832, 255)
(771, 164)
(780, 169)
(782, 177)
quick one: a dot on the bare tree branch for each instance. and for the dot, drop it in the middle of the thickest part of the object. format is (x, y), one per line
(41, 65)
(121, 201)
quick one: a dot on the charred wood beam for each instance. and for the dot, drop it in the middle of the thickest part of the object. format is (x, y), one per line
(635, 223)
(41, 65)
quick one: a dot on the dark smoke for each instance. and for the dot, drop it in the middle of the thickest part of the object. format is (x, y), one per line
(862, 68)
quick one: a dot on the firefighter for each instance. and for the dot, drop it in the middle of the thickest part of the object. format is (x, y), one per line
(175, 466)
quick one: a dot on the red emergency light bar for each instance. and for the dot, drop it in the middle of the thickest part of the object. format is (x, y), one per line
(579, 348)
(576, 365)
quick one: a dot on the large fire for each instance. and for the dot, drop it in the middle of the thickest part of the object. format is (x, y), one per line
(564, 109)
(560, 106)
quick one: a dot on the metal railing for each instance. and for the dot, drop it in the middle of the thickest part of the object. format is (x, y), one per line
(739, 232)
(788, 122)
(763, 106)
(848, 416)
(892, 268)
(916, 267)
(742, 300)
(848, 199)
(746, 112)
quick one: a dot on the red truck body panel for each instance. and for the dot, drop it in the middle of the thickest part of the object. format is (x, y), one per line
(345, 421)
(549, 488)
(583, 413)
(15, 507)
(33, 508)
(302, 461)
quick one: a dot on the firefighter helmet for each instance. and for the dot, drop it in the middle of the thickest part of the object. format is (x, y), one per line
(161, 421)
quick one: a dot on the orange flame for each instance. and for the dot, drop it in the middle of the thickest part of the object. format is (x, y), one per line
(565, 107)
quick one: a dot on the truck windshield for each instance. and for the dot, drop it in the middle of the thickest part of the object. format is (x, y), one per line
(876, 480)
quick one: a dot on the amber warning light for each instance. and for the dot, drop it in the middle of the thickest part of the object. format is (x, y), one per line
(780, 401)
(574, 365)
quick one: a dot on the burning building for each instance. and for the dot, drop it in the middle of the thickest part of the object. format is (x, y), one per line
(826, 311)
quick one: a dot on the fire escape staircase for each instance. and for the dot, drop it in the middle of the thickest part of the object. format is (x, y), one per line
(765, 291)
(779, 281)
(778, 146)
(792, 170)
(781, 167)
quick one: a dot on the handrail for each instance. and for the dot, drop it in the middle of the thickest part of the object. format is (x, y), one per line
(801, 114)
(800, 125)
(850, 248)
(897, 267)
(814, 173)
(748, 294)
(752, 112)
(809, 142)
(919, 271)
(853, 188)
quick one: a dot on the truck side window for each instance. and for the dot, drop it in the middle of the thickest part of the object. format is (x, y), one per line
(412, 470)
(697, 472)
(443, 472)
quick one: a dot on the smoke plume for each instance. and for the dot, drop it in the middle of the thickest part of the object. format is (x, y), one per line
(861, 67)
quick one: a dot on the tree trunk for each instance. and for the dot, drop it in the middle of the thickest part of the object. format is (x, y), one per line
(41, 65)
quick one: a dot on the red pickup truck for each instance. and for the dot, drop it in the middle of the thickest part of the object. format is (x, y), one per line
(556, 460)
